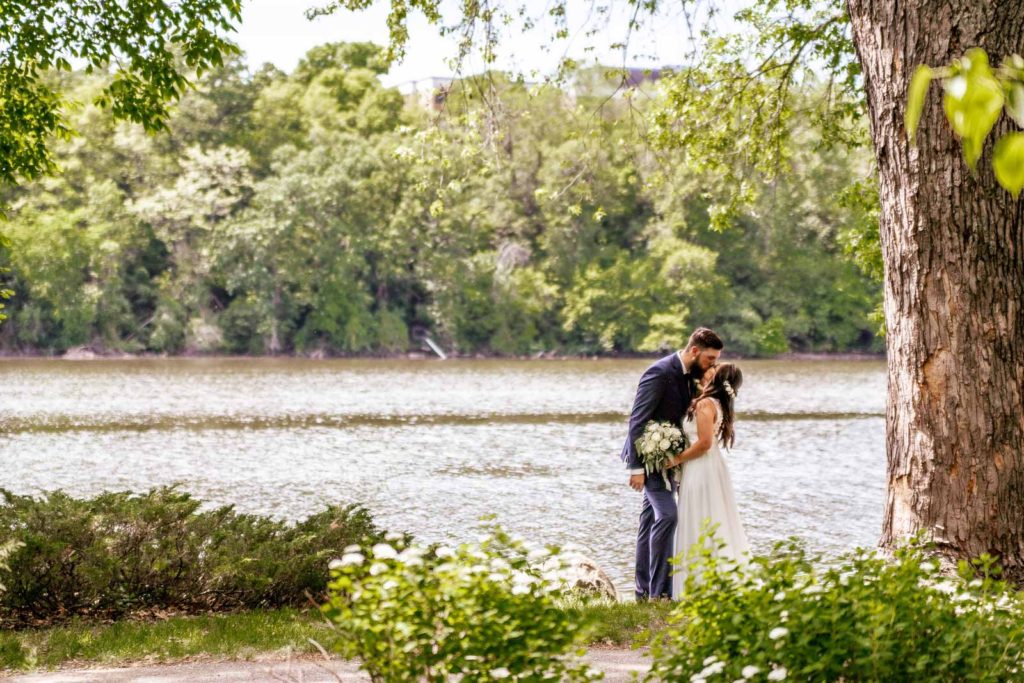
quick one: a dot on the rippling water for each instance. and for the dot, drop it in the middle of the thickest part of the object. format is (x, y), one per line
(429, 447)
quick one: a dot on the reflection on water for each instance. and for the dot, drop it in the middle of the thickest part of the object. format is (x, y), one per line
(430, 447)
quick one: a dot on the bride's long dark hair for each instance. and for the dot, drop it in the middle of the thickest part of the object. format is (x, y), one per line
(727, 377)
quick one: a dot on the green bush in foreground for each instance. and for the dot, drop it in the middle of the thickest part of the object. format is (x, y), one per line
(12, 654)
(479, 611)
(866, 618)
(122, 553)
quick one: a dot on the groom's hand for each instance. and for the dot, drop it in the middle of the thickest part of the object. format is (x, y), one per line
(636, 482)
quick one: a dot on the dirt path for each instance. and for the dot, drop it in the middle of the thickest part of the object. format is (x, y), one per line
(617, 665)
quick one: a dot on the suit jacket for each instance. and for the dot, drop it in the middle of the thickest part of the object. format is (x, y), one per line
(664, 394)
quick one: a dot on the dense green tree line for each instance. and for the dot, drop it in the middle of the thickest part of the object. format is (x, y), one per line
(317, 211)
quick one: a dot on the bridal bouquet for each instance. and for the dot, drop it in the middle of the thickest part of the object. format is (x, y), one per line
(660, 442)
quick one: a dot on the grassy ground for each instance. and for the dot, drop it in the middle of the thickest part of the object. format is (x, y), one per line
(244, 635)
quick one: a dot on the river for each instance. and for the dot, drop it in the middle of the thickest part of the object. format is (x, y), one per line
(429, 447)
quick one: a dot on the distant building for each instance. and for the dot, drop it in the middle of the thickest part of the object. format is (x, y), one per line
(596, 81)
(429, 93)
(636, 76)
(612, 81)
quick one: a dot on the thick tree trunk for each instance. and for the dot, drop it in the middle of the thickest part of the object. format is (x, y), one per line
(953, 244)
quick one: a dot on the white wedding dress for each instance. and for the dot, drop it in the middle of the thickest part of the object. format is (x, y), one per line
(706, 493)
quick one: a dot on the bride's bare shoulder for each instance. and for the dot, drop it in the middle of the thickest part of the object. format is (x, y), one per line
(706, 406)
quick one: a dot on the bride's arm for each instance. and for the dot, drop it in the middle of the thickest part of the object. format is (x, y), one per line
(705, 435)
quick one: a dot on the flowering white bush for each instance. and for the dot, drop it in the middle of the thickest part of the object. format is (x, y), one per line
(481, 611)
(868, 617)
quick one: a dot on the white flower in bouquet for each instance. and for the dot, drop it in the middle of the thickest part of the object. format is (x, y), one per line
(660, 442)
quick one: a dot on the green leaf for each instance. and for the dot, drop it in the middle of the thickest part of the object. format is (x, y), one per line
(973, 102)
(1015, 103)
(915, 98)
(1008, 162)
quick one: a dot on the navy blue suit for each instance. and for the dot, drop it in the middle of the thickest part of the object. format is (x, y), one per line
(664, 394)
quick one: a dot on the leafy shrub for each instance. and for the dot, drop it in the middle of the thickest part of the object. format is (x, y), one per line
(392, 332)
(865, 618)
(481, 611)
(120, 553)
(6, 549)
(13, 654)
(771, 337)
(168, 328)
(242, 324)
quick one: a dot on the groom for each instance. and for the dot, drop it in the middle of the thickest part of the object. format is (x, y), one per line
(665, 391)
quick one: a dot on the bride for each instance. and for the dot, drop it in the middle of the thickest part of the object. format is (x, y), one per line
(705, 489)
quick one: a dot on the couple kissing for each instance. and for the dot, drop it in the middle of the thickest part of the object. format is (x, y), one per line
(691, 390)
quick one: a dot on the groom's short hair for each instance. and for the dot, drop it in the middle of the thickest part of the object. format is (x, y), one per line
(705, 338)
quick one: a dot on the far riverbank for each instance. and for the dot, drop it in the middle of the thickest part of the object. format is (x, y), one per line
(98, 353)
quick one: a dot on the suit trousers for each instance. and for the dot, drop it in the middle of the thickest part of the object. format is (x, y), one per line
(654, 539)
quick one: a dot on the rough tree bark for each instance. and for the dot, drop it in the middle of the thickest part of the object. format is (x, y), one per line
(953, 244)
